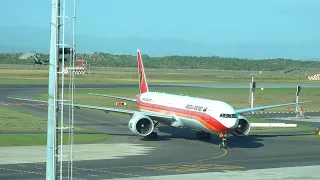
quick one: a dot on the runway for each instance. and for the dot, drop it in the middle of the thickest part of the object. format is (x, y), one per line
(177, 151)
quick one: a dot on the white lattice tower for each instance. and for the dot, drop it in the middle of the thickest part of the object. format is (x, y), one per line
(66, 45)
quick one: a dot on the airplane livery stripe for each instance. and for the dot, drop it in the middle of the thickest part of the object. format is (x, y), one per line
(197, 118)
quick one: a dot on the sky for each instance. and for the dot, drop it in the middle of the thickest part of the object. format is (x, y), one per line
(203, 21)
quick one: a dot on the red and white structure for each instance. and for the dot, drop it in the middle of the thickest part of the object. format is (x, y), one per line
(121, 103)
(314, 77)
(76, 70)
(79, 69)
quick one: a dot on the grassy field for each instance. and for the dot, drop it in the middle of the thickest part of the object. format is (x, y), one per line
(41, 139)
(29, 75)
(14, 121)
(239, 98)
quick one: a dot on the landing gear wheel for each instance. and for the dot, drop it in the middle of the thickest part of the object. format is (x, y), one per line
(152, 135)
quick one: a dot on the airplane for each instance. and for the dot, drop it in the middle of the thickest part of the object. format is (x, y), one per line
(204, 115)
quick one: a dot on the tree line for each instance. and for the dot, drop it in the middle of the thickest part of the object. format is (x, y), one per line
(99, 59)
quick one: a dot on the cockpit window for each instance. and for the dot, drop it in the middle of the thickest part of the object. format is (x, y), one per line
(228, 115)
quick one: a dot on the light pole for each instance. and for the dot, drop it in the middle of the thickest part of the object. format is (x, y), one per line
(299, 111)
(252, 88)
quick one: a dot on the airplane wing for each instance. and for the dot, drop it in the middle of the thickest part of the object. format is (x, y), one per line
(239, 111)
(116, 97)
(162, 118)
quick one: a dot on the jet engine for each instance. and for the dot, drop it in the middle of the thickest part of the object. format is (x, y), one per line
(141, 124)
(243, 128)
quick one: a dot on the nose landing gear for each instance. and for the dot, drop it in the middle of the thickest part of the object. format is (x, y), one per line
(201, 135)
(223, 143)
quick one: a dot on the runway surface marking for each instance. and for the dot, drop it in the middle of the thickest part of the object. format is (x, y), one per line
(36, 154)
(206, 166)
(23, 172)
(267, 158)
(183, 168)
(185, 163)
(76, 172)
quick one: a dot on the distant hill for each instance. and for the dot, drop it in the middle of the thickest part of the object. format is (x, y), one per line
(24, 38)
(311, 59)
(179, 62)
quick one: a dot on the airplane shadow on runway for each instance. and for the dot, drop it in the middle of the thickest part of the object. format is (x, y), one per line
(166, 133)
(250, 141)
(233, 142)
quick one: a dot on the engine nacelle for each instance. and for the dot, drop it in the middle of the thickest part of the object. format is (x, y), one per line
(243, 128)
(141, 124)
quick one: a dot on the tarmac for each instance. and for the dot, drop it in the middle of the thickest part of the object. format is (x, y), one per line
(177, 154)
(302, 172)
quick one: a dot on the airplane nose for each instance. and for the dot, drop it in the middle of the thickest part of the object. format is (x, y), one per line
(231, 123)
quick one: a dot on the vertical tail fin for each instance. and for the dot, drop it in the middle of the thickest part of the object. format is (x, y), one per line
(143, 85)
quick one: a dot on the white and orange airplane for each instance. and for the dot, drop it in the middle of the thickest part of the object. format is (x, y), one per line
(204, 115)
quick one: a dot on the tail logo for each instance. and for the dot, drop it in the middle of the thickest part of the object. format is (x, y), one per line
(142, 78)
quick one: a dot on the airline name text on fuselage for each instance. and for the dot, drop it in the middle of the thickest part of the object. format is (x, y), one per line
(197, 108)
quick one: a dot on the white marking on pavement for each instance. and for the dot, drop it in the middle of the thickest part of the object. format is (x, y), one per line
(37, 154)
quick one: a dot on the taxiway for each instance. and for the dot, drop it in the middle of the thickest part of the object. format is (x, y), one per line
(176, 152)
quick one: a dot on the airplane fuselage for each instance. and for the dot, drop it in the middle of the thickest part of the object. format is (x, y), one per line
(194, 113)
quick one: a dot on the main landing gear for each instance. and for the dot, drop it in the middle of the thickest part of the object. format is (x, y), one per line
(223, 143)
(203, 135)
(153, 135)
